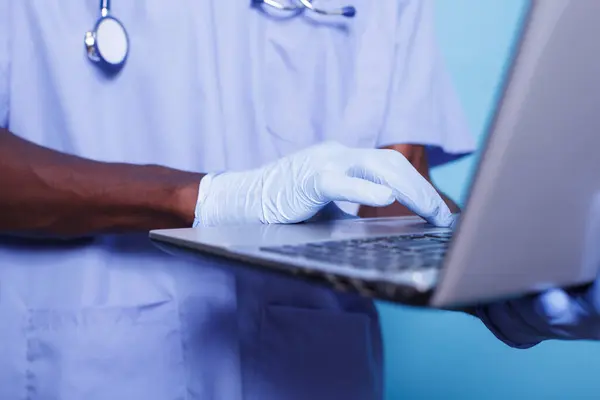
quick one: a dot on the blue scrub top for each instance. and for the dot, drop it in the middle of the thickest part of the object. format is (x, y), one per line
(208, 85)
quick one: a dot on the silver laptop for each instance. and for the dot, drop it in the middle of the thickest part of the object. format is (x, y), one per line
(532, 219)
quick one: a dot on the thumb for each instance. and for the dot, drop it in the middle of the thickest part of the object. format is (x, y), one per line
(552, 313)
(331, 186)
(553, 304)
(542, 309)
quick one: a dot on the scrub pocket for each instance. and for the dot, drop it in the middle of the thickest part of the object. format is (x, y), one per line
(315, 354)
(116, 353)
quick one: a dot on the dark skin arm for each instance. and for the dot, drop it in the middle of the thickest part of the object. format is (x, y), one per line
(45, 192)
(417, 156)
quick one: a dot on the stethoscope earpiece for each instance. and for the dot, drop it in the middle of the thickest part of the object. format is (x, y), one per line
(348, 11)
(107, 45)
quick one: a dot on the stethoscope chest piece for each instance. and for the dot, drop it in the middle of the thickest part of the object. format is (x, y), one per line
(107, 44)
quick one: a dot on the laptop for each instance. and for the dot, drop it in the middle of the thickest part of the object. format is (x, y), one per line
(532, 217)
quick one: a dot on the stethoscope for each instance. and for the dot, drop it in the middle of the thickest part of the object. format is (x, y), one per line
(107, 44)
(347, 11)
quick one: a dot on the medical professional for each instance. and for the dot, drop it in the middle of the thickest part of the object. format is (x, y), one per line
(205, 112)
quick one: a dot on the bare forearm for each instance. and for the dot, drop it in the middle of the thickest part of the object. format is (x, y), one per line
(46, 192)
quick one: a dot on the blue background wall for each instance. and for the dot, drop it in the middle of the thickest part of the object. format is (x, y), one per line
(438, 355)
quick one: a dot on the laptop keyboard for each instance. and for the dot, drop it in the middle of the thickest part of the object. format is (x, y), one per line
(389, 253)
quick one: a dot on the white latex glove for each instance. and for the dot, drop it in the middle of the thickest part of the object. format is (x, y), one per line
(295, 188)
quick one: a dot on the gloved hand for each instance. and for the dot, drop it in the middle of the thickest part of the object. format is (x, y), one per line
(554, 314)
(295, 188)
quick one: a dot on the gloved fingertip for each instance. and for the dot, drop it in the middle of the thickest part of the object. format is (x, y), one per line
(442, 217)
(454, 221)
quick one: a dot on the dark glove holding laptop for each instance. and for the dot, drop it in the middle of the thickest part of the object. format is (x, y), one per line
(555, 314)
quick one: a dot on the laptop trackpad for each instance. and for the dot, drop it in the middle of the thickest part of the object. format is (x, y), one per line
(342, 230)
(383, 227)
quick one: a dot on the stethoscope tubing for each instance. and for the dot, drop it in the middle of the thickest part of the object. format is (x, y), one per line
(346, 11)
(95, 55)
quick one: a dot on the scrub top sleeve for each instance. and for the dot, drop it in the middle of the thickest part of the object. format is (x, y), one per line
(4, 61)
(423, 107)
